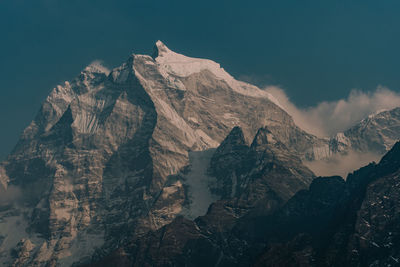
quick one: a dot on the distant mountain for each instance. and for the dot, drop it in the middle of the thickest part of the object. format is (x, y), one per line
(377, 133)
(115, 160)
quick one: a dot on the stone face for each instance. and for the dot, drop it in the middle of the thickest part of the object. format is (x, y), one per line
(357, 225)
(230, 161)
(109, 153)
(334, 222)
(256, 179)
(114, 159)
(377, 133)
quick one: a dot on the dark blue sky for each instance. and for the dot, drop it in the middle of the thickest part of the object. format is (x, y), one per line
(316, 50)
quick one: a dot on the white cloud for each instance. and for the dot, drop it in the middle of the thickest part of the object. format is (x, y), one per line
(98, 65)
(342, 164)
(328, 118)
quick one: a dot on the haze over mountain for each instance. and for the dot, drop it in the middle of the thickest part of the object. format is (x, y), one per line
(330, 117)
(115, 156)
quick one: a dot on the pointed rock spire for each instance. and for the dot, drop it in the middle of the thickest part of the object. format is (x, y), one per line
(235, 137)
(263, 137)
(231, 151)
(234, 141)
(159, 49)
(266, 139)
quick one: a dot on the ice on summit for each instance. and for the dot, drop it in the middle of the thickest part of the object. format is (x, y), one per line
(119, 125)
(182, 66)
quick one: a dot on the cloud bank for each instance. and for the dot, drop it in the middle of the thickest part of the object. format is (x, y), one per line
(329, 118)
(342, 165)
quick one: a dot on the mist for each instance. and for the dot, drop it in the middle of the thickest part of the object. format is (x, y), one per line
(342, 165)
(10, 195)
(330, 117)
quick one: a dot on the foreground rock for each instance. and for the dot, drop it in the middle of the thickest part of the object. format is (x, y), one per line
(333, 223)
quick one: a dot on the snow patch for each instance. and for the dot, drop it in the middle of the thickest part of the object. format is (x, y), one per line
(176, 64)
(377, 113)
(192, 136)
(198, 181)
(340, 137)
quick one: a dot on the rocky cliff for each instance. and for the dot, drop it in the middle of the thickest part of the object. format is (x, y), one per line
(333, 223)
(120, 152)
(160, 161)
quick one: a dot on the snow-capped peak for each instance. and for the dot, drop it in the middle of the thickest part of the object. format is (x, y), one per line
(171, 63)
(160, 49)
(184, 66)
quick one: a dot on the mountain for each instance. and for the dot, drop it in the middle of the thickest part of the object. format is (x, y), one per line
(117, 153)
(377, 133)
(258, 178)
(366, 141)
(352, 223)
(164, 148)
(333, 223)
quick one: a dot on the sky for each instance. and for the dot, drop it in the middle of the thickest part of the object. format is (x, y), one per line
(313, 50)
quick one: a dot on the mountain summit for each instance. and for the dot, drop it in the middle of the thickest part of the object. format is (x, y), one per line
(116, 153)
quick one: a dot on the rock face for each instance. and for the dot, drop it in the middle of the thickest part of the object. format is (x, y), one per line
(116, 162)
(333, 223)
(354, 223)
(247, 172)
(117, 153)
(251, 179)
(377, 133)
